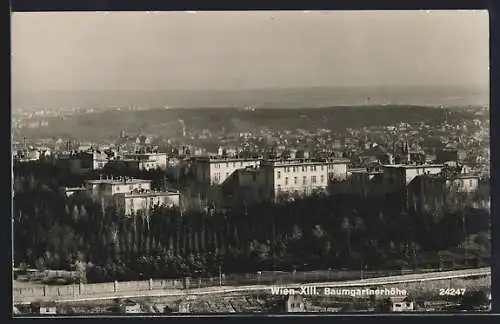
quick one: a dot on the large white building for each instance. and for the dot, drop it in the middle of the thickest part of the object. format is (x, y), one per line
(275, 179)
(216, 170)
(88, 160)
(103, 190)
(295, 176)
(107, 187)
(337, 169)
(130, 195)
(399, 176)
(145, 200)
(465, 183)
(426, 189)
(149, 161)
(280, 178)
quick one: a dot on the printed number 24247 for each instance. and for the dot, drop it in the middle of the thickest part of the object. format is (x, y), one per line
(451, 291)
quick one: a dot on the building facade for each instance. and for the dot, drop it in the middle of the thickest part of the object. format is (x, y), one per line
(88, 160)
(124, 165)
(216, 170)
(337, 169)
(399, 176)
(149, 161)
(103, 190)
(145, 200)
(130, 195)
(248, 186)
(298, 176)
(366, 182)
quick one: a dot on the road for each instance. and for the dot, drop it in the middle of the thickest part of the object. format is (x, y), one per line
(231, 289)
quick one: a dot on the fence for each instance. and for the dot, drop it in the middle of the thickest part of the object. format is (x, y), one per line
(259, 278)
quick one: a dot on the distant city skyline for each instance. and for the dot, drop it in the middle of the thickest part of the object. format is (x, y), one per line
(83, 51)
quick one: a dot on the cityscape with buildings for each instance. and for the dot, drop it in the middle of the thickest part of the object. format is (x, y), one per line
(376, 206)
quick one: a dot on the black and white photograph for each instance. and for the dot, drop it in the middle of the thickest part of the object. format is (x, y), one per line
(250, 162)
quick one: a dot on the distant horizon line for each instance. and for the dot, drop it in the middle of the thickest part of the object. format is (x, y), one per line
(399, 86)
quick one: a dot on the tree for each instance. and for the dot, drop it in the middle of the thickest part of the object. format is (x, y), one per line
(346, 228)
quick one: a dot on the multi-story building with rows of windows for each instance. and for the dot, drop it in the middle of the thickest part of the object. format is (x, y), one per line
(216, 170)
(129, 195)
(267, 179)
(105, 188)
(276, 178)
(295, 176)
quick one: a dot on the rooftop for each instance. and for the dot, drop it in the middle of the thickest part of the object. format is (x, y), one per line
(117, 181)
(302, 161)
(146, 153)
(399, 298)
(123, 160)
(452, 176)
(149, 193)
(366, 171)
(224, 159)
(249, 169)
(412, 166)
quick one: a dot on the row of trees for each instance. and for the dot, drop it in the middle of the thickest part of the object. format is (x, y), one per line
(321, 231)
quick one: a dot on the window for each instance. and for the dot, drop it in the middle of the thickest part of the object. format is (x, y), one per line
(295, 180)
(234, 164)
(227, 164)
(279, 175)
(304, 180)
(313, 179)
(279, 187)
(310, 168)
(293, 169)
(322, 168)
(286, 181)
(227, 174)
(241, 163)
(470, 182)
(322, 178)
(303, 169)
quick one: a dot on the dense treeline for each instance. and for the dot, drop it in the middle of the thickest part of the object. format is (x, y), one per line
(53, 231)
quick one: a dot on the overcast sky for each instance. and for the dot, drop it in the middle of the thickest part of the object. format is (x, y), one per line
(235, 50)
